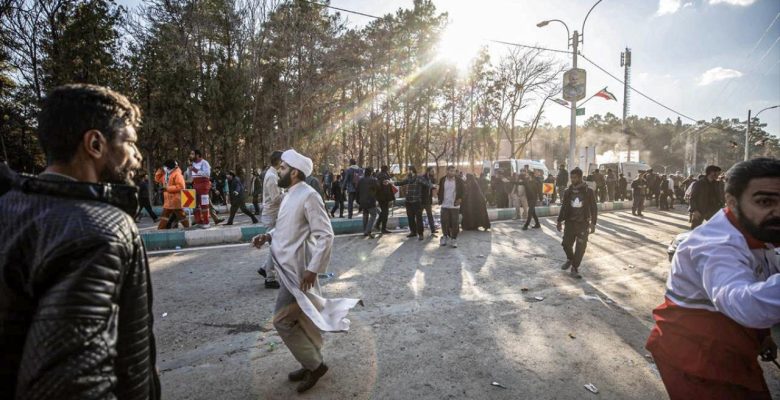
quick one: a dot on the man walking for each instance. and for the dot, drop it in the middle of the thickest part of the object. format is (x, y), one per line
(301, 246)
(272, 199)
(562, 180)
(76, 291)
(237, 198)
(706, 196)
(519, 197)
(367, 191)
(385, 198)
(257, 188)
(622, 188)
(611, 185)
(579, 213)
(427, 199)
(338, 197)
(451, 192)
(201, 182)
(144, 198)
(172, 182)
(531, 189)
(416, 184)
(638, 189)
(722, 294)
(601, 185)
(351, 178)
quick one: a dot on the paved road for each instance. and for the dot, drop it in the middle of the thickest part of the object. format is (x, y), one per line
(439, 323)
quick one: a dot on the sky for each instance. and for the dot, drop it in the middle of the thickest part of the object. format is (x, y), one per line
(701, 58)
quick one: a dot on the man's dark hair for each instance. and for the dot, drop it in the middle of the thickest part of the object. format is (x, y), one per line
(69, 111)
(276, 157)
(576, 171)
(449, 167)
(198, 153)
(170, 164)
(738, 177)
(368, 171)
(712, 168)
(352, 161)
(385, 168)
(231, 173)
(412, 169)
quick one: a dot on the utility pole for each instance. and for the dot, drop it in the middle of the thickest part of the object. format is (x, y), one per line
(625, 62)
(695, 145)
(573, 130)
(747, 138)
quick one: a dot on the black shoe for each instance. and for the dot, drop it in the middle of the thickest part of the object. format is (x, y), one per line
(262, 273)
(537, 226)
(332, 215)
(525, 227)
(298, 375)
(386, 231)
(310, 378)
(566, 265)
(420, 237)
(271, 284)
(369, 235)
(411, 235)
(219, 221)
(229, 223)
(254, 221)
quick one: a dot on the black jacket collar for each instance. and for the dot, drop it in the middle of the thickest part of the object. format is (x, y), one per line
(124, 197)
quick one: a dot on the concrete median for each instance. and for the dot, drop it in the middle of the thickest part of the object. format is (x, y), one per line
(176, 239)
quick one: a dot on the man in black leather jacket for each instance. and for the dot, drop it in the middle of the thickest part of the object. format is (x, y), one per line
(75, 290)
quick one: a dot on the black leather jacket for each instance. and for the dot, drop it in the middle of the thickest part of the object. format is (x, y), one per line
(75, 292)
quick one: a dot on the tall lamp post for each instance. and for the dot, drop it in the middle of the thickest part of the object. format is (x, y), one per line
(575, 39)
(747, 130)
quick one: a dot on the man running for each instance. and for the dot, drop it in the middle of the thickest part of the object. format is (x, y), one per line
(722, 294)
(579, 212)
(201, 182)
(301, 245)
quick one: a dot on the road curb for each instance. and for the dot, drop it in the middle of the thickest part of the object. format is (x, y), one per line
(173, 239)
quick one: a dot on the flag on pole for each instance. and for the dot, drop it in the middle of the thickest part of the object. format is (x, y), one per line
(561, 102)
(604, 93)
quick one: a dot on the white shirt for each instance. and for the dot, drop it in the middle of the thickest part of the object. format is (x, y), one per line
(715, 269)
(204, 169)
(450, 189)
(272, 196)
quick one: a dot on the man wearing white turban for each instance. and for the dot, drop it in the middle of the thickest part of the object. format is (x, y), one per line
(301, 246)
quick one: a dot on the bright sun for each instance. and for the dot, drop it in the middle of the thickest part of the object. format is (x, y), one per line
(459, 45)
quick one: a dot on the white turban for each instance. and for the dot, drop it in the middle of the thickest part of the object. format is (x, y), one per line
(298, 161)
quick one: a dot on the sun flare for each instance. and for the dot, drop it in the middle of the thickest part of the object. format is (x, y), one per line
(459, 45)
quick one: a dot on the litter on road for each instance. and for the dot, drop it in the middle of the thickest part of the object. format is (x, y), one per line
(592, 388)
(498, 385)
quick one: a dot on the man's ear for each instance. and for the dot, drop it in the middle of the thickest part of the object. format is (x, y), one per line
(94, 143)
(731, 201)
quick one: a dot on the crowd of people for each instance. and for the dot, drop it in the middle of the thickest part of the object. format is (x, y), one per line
(75, 285)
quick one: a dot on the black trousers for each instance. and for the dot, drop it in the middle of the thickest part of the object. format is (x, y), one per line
(235, 205)
(575, 240)
(146, 205)
(502, 200)
(450, 222)
(531, 213)
(351, 196)
(639, 205)
(338, 205)
(414, 215)
(384, 213)
(429, 213)
(256, 203)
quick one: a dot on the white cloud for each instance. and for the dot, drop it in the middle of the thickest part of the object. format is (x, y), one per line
(718, 74)
(743, 3)
(672, 6)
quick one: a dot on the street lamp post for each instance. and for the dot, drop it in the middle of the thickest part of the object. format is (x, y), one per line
(576, 39)
(747, 130)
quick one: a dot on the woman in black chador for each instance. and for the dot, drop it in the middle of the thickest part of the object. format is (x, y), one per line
(474, 207)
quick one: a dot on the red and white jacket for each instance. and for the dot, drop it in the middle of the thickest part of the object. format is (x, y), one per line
(722, 294)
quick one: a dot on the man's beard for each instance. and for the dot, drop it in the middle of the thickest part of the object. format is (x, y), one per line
(122, 175)
(285, 180)
(767, 231)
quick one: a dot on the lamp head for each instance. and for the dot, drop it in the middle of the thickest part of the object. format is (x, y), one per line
(543, 23)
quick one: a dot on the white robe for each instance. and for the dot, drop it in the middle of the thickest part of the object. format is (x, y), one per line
(302, 241)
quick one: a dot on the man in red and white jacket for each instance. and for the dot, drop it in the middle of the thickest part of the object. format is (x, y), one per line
(723, 294)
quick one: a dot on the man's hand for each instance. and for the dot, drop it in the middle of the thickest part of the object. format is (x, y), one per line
(559, 227)
(696, 215)
(308, 281)
(768, 350)
(592, 228)
(259, 240)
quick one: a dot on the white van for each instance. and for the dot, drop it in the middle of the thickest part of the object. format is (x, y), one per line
(630, 170)
(513, 166)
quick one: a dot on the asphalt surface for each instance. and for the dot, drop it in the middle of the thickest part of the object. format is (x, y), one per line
(438, 323)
